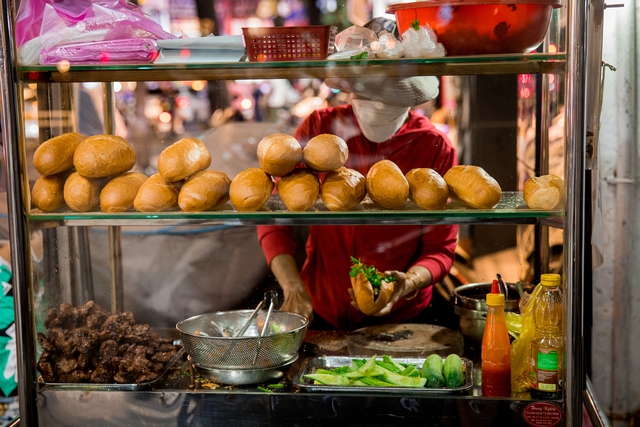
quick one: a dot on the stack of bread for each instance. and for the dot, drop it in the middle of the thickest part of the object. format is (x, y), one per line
(86, 172)
(75, 170)
(90, 172)
(279, 156)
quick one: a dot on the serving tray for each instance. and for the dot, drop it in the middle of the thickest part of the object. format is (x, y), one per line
(147, 385)
(331, 362)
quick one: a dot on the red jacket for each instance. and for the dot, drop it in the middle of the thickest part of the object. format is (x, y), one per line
(388, 247)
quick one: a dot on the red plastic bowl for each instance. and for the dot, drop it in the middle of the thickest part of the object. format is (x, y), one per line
(477, 27)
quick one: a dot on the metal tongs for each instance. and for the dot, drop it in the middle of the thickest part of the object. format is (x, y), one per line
(250, 319)
(272, 296)
(269, 295)
(504, 286)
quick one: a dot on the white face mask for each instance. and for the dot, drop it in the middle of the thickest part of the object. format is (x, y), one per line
(378, 121)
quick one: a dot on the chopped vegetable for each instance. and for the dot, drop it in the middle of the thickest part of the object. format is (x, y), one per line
(328, 379)
(370, 372)
(370, 272)
(415, 24)
(275, 386)
(264, 389)
(361, 55)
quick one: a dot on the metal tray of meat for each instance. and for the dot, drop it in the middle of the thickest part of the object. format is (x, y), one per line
(331, 362)
(116, 386)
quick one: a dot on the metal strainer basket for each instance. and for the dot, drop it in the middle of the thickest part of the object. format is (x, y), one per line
(277, 346)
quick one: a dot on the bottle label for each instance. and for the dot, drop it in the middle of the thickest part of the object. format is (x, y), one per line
(546, 377)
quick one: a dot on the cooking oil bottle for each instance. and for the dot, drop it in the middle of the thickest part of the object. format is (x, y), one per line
(547, 347)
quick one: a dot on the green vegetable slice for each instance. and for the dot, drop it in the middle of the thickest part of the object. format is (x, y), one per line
(400, 381)
(376, 382)
(328, 379)
(399, 367)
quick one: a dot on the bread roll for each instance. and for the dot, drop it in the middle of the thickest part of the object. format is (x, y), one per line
(299, 190)
(182, 159)
(279, 154)
(473, 186)
(325, 153)
(47, 193)
(368, 302)
(56, 154)
(119, 193)
(387, 185)
(156, 195)
(82, 194)
(204, 190)
(545, 192)
(427, 188)
(343, 189)
(103, 155)
(250, 189)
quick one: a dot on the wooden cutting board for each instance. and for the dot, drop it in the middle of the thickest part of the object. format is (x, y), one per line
(405, 340)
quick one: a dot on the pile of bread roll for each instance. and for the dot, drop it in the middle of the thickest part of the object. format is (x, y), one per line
(85, 173)
(342, 189)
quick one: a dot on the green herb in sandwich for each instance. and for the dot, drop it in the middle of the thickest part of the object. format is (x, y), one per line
(370, 272)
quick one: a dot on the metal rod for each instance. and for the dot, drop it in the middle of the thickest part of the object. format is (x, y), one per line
(115, 233)
(596, 413)
(13, 139)
(108, 100)
(624, 209)
(577, 14)
(115, 263)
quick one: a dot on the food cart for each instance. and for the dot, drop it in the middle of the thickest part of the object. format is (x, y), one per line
(179, 400)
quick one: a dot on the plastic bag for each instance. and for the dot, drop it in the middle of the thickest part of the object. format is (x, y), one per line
(51, 23)
(389, 47)
(138, 50)
(521, 347)
(422, 43)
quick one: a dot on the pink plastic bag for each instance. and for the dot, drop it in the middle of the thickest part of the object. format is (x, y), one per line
(60, 22)
(128, 50)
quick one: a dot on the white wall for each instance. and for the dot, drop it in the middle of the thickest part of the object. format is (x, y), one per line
(618, 123)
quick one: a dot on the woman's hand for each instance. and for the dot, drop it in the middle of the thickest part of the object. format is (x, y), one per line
(406, 284)
(296, 298)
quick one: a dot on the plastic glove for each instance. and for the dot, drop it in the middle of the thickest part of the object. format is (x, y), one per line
(296, 298)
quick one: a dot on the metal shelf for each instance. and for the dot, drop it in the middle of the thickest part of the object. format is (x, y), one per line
(510, 210)
(534, 63)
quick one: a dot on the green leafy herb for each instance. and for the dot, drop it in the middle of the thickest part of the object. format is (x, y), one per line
(370, 272)
(415, 24)
(361, 55)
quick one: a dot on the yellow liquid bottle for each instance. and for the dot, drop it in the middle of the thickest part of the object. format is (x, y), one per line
(547, 347)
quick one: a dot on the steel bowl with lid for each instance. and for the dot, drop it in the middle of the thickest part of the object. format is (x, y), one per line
(470, 304)
(209, 339)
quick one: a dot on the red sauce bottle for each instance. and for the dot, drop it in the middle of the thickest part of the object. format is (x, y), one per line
(496, 348)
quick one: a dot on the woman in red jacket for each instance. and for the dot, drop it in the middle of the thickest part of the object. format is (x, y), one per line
(376, 125)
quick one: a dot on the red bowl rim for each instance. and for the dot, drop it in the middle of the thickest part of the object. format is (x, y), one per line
(400, 6)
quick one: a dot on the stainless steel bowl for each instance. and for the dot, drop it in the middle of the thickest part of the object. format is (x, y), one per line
(278, 346)
(470, 304)
(244, 376)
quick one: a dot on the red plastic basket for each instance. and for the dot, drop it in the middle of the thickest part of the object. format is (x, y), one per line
(313, 42)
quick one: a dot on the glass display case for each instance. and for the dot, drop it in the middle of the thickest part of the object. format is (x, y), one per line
(83, 258)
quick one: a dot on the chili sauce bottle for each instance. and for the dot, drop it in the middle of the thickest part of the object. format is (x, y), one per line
(496, 348)
(547, 347)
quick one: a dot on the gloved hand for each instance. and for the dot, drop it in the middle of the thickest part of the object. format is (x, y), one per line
(296, 298)
(406, 284)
